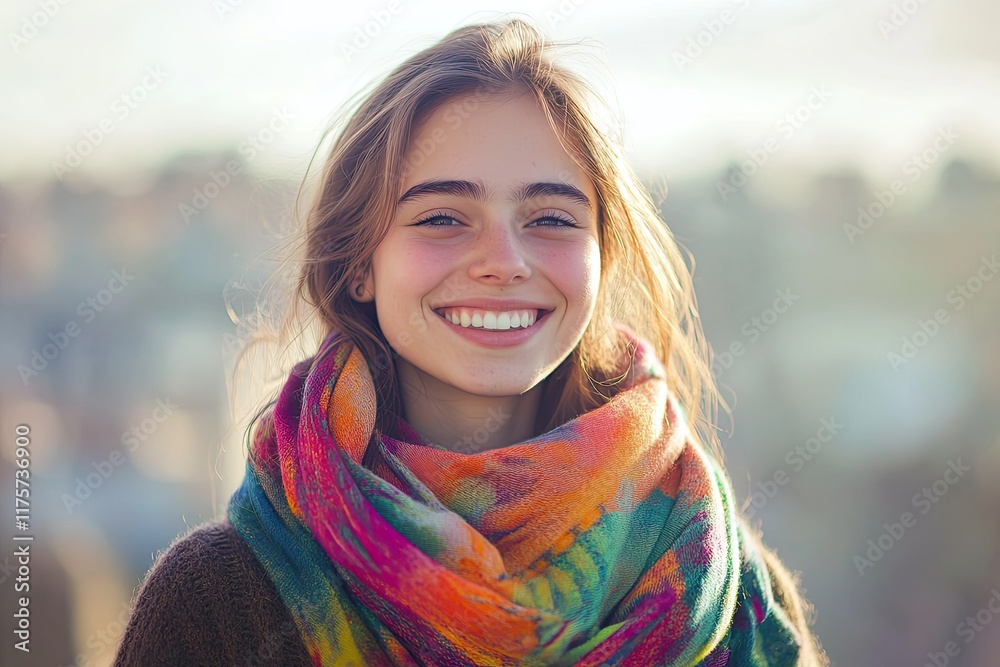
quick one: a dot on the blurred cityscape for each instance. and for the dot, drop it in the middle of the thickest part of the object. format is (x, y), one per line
(854, 326)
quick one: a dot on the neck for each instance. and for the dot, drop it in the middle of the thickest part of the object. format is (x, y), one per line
(464, 422)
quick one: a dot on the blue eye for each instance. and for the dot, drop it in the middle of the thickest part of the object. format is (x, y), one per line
(432, 218)
(444, 220)
(558, 218)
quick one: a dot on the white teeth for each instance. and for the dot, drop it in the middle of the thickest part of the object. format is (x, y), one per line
(492, 320)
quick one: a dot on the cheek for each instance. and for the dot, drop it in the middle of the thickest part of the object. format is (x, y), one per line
(577, 274)
(405, 274)
(405, 267)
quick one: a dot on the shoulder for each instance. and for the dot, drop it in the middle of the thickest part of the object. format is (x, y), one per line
(206, 600)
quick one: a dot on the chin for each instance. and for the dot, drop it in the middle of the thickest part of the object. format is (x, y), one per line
(511, 388)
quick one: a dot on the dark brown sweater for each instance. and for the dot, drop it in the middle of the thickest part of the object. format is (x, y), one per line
(208, 601)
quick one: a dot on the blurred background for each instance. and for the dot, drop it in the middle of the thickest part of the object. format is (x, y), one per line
(832, 166)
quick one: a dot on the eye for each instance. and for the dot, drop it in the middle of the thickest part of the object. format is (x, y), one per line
(433, 217)
(557, 218)
(441, 219)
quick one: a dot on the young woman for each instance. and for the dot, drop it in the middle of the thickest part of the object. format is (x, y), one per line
(501, 452)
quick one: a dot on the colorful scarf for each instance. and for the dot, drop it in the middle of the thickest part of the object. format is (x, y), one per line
(610, 540)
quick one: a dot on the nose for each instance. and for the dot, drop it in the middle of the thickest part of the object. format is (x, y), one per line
(500, 255)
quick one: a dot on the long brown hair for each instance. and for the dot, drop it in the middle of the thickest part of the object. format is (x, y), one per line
(645, 281)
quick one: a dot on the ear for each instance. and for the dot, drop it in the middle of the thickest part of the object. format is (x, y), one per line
(362, 290)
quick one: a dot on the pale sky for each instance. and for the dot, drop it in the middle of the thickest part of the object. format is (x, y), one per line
(224, 68)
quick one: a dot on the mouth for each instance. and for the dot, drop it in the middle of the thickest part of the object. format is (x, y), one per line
(492, 320)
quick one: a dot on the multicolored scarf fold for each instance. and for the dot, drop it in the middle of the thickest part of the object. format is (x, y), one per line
(610, 540)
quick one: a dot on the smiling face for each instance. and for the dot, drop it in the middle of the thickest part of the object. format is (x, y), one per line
(495, 222)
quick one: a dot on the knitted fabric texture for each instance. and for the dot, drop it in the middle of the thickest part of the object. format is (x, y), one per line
(610, 540)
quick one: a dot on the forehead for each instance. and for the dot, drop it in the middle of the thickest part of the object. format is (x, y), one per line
(498, 139)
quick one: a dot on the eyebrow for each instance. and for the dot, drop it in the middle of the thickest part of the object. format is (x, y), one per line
(477, 191)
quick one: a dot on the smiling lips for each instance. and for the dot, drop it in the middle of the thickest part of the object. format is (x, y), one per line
(494, 320)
